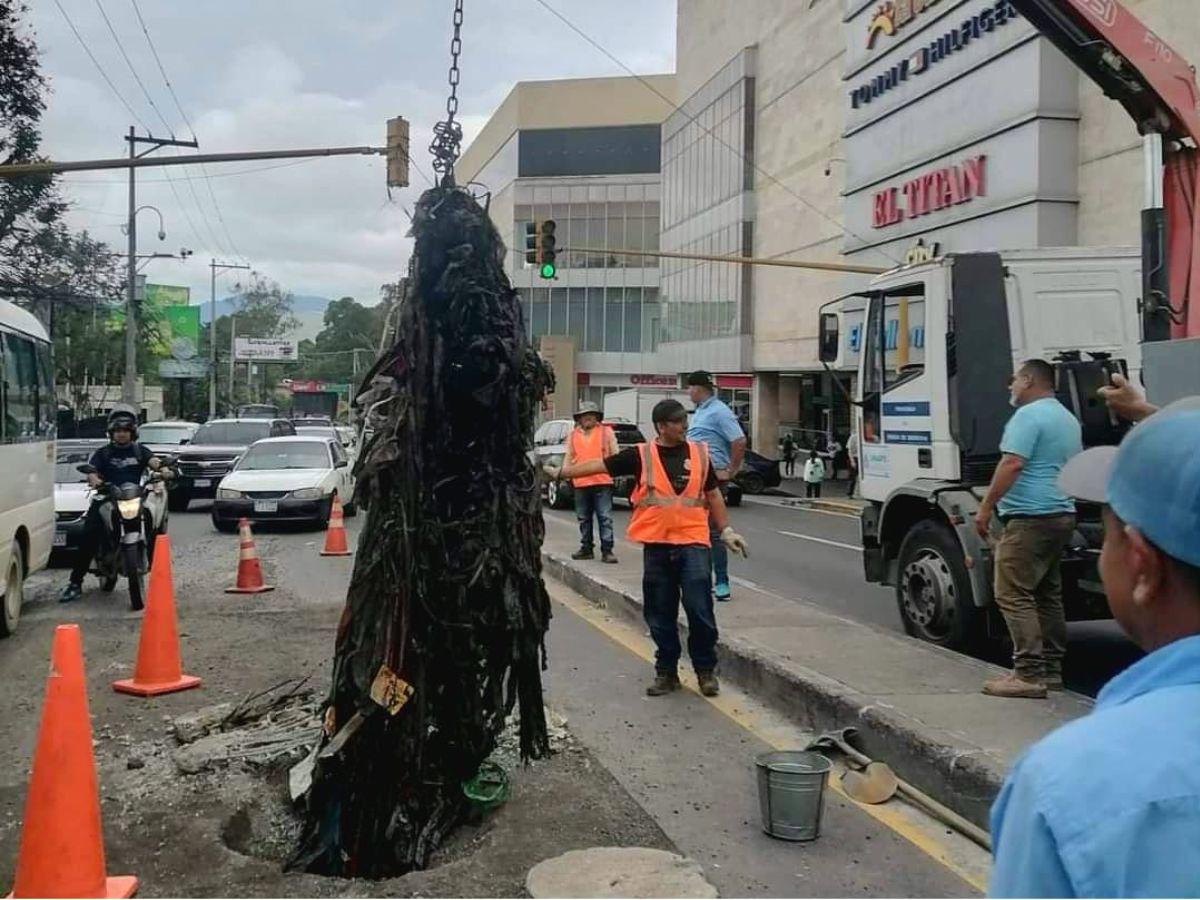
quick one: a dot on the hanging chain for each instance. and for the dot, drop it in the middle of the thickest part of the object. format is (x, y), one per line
(447, 135)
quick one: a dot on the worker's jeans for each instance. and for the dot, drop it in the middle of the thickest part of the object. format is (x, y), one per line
(1028, 590)
(596, 500)
(93, 534)
(719, 554)
(670, 574)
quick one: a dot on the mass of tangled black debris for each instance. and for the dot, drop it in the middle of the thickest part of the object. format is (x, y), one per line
(444, 625)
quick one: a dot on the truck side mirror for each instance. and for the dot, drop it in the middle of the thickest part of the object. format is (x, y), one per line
(829, 343)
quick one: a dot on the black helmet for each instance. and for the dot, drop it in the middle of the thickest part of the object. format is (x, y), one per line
(123, 417)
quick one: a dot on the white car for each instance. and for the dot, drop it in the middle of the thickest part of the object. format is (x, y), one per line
(285, 479)
(72, 497)
(331, 432)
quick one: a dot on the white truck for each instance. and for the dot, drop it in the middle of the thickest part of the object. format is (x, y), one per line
(636, 405)
(934, 345)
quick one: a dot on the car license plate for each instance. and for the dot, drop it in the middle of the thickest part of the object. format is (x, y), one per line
(60, 539)
(266, 506)
(202, 482)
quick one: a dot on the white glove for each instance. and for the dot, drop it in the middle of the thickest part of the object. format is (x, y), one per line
(552, 472)
(734, 541)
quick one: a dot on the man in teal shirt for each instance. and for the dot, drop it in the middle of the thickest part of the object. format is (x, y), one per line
(1038, 521)
(1109, 805)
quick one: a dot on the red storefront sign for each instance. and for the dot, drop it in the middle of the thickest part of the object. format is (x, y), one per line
(744, 382)
(931, 192)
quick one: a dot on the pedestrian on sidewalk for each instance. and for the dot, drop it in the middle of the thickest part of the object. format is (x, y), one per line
(814, 474)
(676, 496)
(789, 456)
(1109, 805)
(592, 440)
(1038, 520)
(852, 455)
(713, 423)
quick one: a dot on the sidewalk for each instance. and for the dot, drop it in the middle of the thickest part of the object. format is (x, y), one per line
(916, 706)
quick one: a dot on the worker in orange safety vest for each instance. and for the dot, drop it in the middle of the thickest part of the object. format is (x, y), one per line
(676, 491)
(592, 440)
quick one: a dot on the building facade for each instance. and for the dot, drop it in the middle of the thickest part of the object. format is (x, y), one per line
(875, 133)
(585, 154)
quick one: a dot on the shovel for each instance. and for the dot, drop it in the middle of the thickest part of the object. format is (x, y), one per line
(875, 782)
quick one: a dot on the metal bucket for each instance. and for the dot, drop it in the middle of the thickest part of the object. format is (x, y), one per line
(791, 793)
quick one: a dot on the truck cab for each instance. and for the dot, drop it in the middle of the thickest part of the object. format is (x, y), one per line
(934, 345)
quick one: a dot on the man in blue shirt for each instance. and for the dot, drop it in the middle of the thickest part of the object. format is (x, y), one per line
(1109, 805)
(1038, 520)
(714, 423)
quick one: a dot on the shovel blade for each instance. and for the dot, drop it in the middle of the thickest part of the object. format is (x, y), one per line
(874, 784)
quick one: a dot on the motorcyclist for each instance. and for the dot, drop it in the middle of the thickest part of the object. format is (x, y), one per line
(121, 461)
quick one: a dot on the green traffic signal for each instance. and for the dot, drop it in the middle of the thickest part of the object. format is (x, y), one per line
(548, 270)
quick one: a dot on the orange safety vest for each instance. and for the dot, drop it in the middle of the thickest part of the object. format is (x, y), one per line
(660, 516)
(587, 446)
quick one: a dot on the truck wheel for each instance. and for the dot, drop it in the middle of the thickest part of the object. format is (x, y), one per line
(558, 495)
(14, 591)
(933, 589)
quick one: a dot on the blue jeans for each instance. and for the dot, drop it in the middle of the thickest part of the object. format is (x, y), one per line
(671, 574)
(720, 554)
(597, 500)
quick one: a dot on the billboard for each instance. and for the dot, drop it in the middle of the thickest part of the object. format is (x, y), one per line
(264, 349)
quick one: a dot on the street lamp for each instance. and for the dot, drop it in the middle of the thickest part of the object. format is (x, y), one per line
(129, 384)
(162, 231)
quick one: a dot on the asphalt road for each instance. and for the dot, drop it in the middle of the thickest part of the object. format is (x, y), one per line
(816, 556)
(676, 771)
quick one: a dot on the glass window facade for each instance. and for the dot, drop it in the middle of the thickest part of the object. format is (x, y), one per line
(706, 174)
(608, 302)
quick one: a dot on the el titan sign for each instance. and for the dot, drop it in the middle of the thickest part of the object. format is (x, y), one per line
(929, 55)
(931, 192)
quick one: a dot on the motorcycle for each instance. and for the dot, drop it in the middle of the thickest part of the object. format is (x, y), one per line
(126, 548)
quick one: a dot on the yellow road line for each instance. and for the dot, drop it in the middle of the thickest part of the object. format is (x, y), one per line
(895, 816)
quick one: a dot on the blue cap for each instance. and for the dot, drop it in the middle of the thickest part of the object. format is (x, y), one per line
(1152, 481)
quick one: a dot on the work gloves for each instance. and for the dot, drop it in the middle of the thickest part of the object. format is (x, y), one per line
(734, 541)
(552, 472)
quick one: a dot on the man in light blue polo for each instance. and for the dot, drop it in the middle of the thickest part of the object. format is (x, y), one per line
(1109, 805)
(714, 423)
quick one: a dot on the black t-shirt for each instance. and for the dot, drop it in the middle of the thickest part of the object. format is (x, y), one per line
(122, 465)
(674, 460)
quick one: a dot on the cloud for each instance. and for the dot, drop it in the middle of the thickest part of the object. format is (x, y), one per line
(301, 73)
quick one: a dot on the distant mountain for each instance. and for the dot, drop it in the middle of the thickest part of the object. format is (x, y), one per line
(307, 308)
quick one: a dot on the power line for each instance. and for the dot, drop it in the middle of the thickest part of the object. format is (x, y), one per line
(100, 68)
(696, 121)
(133, 71)
(187, 121)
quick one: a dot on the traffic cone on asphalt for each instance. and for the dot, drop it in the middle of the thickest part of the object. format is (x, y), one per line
(158, 669)
(249, 570)
(62, 846)
(335, 534)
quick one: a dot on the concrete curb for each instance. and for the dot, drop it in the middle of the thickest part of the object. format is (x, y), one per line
(947, 766)
(848, 507)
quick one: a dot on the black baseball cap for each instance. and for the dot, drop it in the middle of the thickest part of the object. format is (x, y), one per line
(700, 378)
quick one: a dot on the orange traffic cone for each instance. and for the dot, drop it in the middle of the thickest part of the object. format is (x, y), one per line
(335, 534)
(62, 847)
(158, 669)
(249, 570)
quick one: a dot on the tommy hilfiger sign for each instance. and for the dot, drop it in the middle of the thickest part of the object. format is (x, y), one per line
(983, 23)
(930, 192)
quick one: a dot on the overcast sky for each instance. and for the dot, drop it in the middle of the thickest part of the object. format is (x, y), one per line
(270, 74)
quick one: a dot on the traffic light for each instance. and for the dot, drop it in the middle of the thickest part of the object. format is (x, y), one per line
(531, 243)
(545, 250)
(397, 152)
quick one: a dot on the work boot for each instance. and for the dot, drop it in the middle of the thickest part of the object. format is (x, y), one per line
(1012, 685)
(583, 553)
(722, 592)
(709, 686)
(664, 683)
(1053, 681)
(607, 556)
(71, 593)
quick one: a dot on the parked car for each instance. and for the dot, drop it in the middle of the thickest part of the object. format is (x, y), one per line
(212, 452)
(285, 479)
(550, 447)
(758, 473)
(72, 497)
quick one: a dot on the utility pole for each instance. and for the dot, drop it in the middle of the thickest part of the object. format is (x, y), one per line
(129, 383)
(212, 337)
